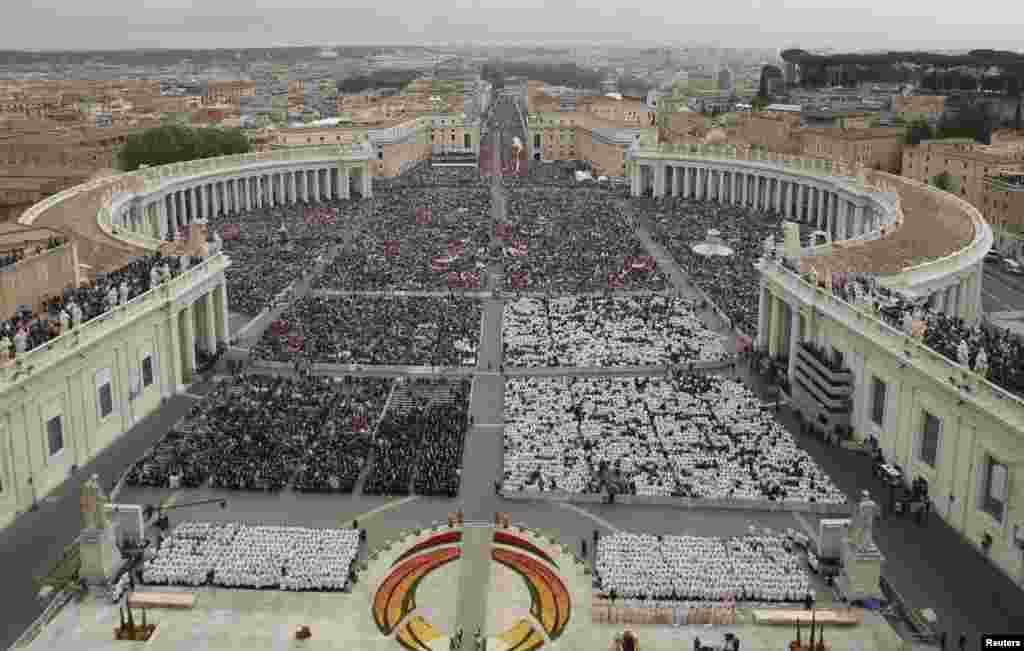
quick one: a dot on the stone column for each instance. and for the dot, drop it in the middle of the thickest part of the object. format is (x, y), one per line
(192, 203)
(367, 183)
(858, 218)
(188, 339)
(210, 325)
(346, 183)
(794, 341)
(316, 185)
(203, 209)
(777, 194)
(293, 184)
(161, 218)
(734, 194)
(776, 321)
(819, 210)
(221, 307)
(763, 323)
(686, 181)
(744, 182)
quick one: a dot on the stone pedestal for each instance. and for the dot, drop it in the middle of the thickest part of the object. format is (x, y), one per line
(862, 569)
(101, 560)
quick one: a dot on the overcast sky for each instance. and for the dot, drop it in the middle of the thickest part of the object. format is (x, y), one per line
(853, 24)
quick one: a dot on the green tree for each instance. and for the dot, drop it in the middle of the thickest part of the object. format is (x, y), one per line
(945, 181)
(172, 143)
(917, 130)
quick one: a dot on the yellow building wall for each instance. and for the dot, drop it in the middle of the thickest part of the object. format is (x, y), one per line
(967, 437)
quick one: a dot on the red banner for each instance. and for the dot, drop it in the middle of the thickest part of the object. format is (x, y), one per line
(279, 327)
(455, 280)
(503, 231)
(232, 232)
(360, 423)
(520, 280)
(424, 216)
(296, 343)
(392, 248)
(456, 248)
(440, 263)
(616, 281)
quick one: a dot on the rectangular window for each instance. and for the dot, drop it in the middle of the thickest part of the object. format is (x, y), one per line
(993, 498)
(147, 370)
(930, 430)
(105, 398)
(54, 435)
(878, 402)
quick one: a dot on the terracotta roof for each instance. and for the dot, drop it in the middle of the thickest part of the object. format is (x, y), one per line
(934, 225)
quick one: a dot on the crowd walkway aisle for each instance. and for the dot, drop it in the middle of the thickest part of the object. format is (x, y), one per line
(932, 566)
(474, 580)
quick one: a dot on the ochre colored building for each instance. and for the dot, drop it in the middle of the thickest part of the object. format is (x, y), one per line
(878, 148)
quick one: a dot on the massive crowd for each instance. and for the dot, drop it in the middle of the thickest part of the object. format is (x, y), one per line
(731, 282)
(420, 442)
(759, 568)
(270, 248)
(692, 436)
(235, 555)
(28, 330)
(384, 330)
(606, 331)
(573, 242)
(261, 432)
(1003, 361)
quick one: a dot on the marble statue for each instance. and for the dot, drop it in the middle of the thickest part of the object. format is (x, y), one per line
(981, 363)
(183, 262)
(863, 522)
(124, 292)
(963, 354)
(20, 341)
(769, 246)
(112, 298)
(65, 321)
(814, 276)
(5, 349)
(154, 277)
(93, 502)
(76, 314)
(165, 272)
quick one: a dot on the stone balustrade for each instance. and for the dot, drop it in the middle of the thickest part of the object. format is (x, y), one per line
(28, 364)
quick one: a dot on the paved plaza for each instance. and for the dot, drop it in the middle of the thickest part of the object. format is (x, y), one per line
(968, 594)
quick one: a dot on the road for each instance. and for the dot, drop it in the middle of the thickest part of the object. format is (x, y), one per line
(1001, 292)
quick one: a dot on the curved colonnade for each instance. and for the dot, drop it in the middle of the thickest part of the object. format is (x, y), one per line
(67, 400)
(937, 419)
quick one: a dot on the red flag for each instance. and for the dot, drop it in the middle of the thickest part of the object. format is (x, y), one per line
(456, 248)
(520, 280)
(296, 343)
(503, 231)
(279, 327)
(392, 248)
(360, 423)
(616, 281)
(424, 216)
(455, 280)
(440, 263)
(232, 232)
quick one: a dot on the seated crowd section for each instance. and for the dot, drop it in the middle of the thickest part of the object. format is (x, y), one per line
(235, 555)
(752, 568)
(730, 282)
(272, 247)
(573, 242)
(26, 330)
(693, 436)
(607, 331)
(420, 441)
(262, 433)
(417, 235)
(375, 330)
